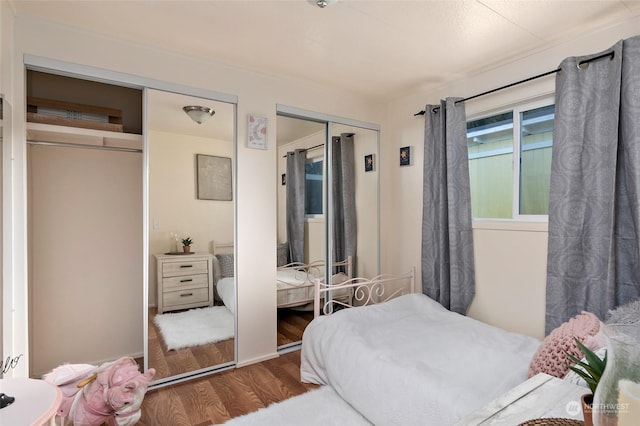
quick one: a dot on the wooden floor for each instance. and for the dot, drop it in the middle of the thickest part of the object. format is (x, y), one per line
(291, 325)
(221, 396)
(172, 362)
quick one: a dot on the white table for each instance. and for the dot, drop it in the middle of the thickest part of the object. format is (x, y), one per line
(542, 396)
(36, 402)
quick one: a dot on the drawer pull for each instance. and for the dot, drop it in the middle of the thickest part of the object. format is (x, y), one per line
(186, 295)
(186, 266)
(186, 281)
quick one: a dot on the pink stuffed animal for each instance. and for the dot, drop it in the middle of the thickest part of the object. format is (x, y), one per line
(112, 392)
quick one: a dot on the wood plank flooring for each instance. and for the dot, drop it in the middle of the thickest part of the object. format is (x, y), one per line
(221, 396)
(172, 362)
(291, 325)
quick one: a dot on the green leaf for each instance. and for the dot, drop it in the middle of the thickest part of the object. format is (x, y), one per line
(591, 369)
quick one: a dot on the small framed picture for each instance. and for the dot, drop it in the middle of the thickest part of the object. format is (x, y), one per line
(405, 156)
(257, 132)
(369, 163)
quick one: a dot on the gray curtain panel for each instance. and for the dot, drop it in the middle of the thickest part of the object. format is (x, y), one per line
(594, 221)
(448, 272)
(345, 237)
(296, 162)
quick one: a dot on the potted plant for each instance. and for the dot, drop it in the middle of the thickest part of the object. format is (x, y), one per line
(591, 370)
(186, 244)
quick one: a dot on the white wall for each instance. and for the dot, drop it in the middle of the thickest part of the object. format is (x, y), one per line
(6, 88)
(256, 169)
(510, 260)
(85, 256)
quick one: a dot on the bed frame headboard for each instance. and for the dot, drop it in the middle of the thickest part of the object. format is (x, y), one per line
(217, 247)
(365, 291)
(316, 268)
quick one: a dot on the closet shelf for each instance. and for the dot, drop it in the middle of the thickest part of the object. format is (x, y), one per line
(39, 132)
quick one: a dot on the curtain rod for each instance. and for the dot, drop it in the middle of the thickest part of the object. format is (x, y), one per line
(308, 149)
(580, 64)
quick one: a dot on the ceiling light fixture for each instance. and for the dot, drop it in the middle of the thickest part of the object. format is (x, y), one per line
(322, 3)
(199, 114)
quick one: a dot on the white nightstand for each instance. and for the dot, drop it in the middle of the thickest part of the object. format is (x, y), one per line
(184, 281)
(542, 396)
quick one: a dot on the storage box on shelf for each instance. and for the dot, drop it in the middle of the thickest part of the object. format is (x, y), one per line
(49, 111)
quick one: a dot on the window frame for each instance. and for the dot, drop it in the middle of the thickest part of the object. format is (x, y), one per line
(517, 110)
(315, 159)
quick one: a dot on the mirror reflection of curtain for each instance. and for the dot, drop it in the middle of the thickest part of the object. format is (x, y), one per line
(345, 238)
(296, 162)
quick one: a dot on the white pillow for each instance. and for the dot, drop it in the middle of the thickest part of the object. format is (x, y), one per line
(217, 272)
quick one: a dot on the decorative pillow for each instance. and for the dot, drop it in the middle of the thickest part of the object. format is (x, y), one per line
(283, 254)
(625, 314)
(551, 358)
(226, 264)
(217, 271)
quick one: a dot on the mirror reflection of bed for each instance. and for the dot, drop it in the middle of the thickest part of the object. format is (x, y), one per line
(302, 162)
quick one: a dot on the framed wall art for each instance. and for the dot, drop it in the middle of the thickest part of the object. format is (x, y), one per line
(405, 156)
(369, 163)
(257, 132)
(213, 178)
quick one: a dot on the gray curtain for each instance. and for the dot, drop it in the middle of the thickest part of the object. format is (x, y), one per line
(296, 162)
(345, 236)
(448, 273)
(594, 221)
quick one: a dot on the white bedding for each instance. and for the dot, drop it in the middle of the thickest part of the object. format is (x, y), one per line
(294, 288)
(227, 292)
(409, 361)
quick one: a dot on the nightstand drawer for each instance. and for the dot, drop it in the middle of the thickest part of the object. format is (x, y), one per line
(172, 269)
(185, 281)
(185, 297)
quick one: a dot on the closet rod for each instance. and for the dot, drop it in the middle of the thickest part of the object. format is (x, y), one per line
(308, 149)
(580, 64)
(73, 145)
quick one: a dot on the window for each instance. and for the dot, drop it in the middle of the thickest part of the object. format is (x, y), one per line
(314, 178)
(504, 185)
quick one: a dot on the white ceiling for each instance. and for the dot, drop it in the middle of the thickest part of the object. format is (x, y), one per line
(384, 49)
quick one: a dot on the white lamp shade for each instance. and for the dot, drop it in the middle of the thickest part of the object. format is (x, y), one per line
(199, 114)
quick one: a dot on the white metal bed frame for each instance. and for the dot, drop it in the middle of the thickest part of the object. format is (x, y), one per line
(365, 291)
(309, 272)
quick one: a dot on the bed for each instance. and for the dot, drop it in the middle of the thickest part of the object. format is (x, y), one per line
(294, 281)
(408, 361)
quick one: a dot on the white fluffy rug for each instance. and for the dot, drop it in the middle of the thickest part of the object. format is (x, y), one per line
(195, 327)
(319, 407)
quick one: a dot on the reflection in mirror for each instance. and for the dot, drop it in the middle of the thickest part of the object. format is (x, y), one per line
(354, 198)
(301, 226)
(191, 326)
(351, 210)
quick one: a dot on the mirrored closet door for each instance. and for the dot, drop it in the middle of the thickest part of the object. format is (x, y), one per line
(191, 219)
(332, 163)
(301, 223)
